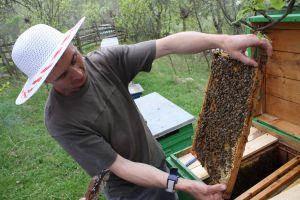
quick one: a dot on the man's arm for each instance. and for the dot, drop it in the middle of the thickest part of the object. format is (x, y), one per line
(195, 42)
(149, 176)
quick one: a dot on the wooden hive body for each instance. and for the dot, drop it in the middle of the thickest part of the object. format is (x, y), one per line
(278, 107)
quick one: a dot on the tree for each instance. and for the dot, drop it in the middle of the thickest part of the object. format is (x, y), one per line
(253, 7)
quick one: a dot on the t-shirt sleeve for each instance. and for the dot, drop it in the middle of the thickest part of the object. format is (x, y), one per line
(91, 151)
(128, 60)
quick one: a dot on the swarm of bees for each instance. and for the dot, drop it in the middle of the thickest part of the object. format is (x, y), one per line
(224, 121)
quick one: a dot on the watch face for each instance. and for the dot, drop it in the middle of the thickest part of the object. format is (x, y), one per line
(173, 171)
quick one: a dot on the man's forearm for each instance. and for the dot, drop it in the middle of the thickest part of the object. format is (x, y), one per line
(139, 173)
(188, 42)
(149, 176)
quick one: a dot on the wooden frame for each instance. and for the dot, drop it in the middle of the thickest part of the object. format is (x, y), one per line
(271, 184)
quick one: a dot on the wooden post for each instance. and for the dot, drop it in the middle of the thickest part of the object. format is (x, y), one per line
(98, 38)
(78, 43)
(5, 60)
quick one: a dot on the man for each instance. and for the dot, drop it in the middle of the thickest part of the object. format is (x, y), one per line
(91, 114)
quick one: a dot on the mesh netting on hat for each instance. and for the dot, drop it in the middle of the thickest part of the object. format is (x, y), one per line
(34, 46)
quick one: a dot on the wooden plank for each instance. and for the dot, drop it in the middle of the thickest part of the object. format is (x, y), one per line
(283, 88)
(254, 133)
(258, 144)
(281, 124)
(296, 182)
(284, 64)
(286, 26)
(185, 158)
(269, 179)
(259, 92)
(282, 138)
(283, 109)
(200, 172)
(188, 157)
(196, 167)
(285, 40)
(281, 182)
(281, 25)
(292, 193)
(195, 164)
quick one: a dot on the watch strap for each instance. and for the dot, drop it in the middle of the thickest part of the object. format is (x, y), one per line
(172, 180)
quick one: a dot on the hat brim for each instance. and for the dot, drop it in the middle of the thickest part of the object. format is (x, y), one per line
(35, 82)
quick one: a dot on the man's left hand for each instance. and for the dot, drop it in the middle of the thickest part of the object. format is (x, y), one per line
(236, 45)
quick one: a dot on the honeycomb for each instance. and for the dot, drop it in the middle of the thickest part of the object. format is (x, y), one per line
(224, 121)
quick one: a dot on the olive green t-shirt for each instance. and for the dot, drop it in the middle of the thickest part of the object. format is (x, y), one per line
(101, 120)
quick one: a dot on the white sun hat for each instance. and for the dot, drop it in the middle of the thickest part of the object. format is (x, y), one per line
(35, 53)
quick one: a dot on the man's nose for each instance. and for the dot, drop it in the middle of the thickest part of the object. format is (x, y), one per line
(77, 73)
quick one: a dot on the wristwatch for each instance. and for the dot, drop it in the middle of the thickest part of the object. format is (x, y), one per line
(172, 180)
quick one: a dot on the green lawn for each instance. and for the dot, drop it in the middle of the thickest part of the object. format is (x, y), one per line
(32, 164)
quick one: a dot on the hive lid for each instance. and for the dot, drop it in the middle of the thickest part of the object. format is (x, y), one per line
(162, 116)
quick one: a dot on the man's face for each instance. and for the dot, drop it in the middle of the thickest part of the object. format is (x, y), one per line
(69, 73)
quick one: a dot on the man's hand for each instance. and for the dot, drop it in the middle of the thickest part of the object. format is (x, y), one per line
(236, 46)
(199, 190)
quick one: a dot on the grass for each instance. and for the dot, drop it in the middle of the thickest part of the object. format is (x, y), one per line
(34, 166)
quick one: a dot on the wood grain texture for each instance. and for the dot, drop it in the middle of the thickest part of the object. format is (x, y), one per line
(224, 121)
(284, 64)
(257, 141)
(258, 144)
(283, 88)
(292, 193)
(254, 133)
(281, 124)
(259, 92)
(285, 40)
(286, 26)
(283, 109)
(278, 184)
(281, 25)
(269, 179)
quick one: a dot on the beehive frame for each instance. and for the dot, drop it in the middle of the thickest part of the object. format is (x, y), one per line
(225, 119)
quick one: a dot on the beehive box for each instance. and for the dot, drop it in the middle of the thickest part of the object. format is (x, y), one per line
(278, 106)
(263, 157)
(223, 124)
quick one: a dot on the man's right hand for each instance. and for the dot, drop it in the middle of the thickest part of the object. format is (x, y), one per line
(200, 190)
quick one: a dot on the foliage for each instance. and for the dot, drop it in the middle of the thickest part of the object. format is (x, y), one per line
(250, 7)
(141, 19)
(4, 86)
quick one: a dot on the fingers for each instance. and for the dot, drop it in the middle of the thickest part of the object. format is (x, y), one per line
(246, 60)
(217, 196)
(263, 43)
(267, 46)
(216, 188)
